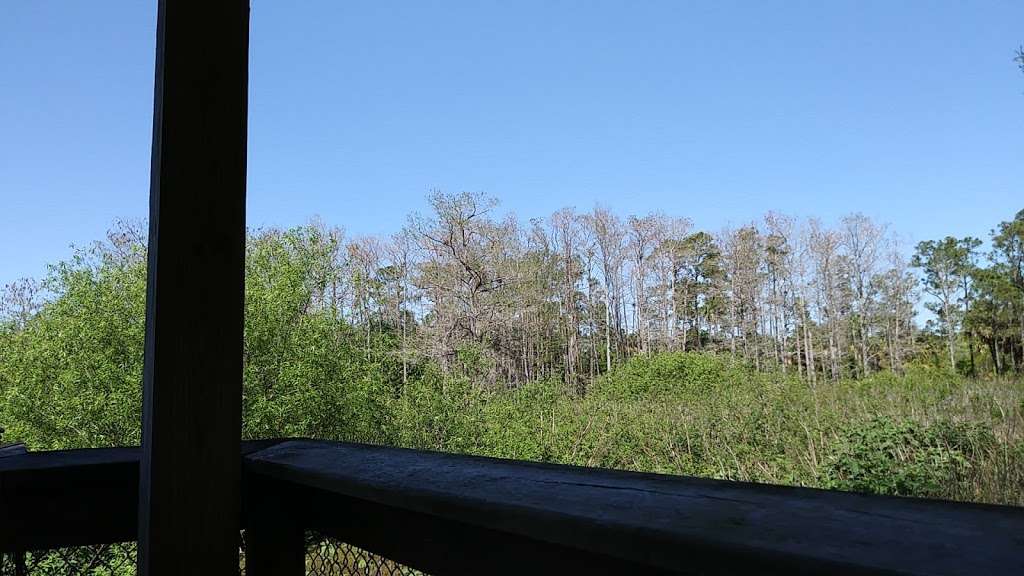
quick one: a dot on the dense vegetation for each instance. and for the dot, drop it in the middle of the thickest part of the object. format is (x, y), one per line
(780, 351)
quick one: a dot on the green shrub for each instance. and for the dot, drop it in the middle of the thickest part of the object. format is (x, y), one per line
(903, 457)
(439, 413)
(528, 422)
(670, 373)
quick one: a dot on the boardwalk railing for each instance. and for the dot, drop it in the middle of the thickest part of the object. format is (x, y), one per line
(451, 514)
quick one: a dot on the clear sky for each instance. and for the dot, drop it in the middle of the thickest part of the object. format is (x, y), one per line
(911, 112)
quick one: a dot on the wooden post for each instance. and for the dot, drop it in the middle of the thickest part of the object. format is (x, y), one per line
(275, 543)
(189, 492)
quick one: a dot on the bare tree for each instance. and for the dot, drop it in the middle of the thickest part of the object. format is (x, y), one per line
(862, 240)
(644, 235)
(458, 273)
(829, 269)
(19, 301)
(609, 236)
(568, 235)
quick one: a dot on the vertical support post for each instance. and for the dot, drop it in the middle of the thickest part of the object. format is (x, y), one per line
(275, 542)
(189, 493)
(20, 568)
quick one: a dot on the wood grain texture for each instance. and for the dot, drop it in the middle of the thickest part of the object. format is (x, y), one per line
(12, 449)
(68, 498)
(275, 543)
(189, 495)
(662, 523)
(75, 497)
(452, 514)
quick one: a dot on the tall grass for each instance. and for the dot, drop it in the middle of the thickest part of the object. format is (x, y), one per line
(923, 433)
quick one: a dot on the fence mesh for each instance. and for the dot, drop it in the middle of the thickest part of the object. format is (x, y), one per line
(324, 557)
(329, 557)
(100, 560)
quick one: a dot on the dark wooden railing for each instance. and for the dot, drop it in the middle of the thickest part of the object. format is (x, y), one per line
(451, 514)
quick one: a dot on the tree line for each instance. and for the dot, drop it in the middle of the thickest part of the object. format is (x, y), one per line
(584, 338)
(576, 293)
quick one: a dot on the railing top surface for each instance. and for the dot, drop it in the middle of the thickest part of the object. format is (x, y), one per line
(672, 516)
(27, 460)
(73, 497)
(57, 459)
(669, 522)
(11, 449)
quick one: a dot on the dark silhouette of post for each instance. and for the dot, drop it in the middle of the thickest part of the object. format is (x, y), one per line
(189, 492)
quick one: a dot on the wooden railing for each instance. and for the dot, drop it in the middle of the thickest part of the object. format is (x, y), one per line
(451, 514)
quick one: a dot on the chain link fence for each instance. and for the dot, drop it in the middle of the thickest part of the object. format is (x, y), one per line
(329, 557)
(324, 557)
(101, 560)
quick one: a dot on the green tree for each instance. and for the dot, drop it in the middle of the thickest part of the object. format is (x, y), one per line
(1008, 252)
(698, 269)
(70, 373)
(944, 264)
(992, 315)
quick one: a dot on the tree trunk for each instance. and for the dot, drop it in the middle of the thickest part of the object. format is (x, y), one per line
(607, 336)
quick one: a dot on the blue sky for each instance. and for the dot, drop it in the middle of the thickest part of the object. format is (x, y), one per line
(911, 112)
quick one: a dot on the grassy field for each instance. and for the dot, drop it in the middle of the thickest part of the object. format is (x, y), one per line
(924, 433)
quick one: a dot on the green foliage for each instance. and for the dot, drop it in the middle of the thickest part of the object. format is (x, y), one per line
(669, 374)
(70, 377)
(307, 371)
(317, 385)
(472, 361)
(96, 560)
(439, 413)
(532, 422)
(901, 457)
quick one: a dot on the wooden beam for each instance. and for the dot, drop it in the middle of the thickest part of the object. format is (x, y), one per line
(452, 514)
(68, 498)
(14, 449)
(275, 543)
(189, 491)
(78, 497)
